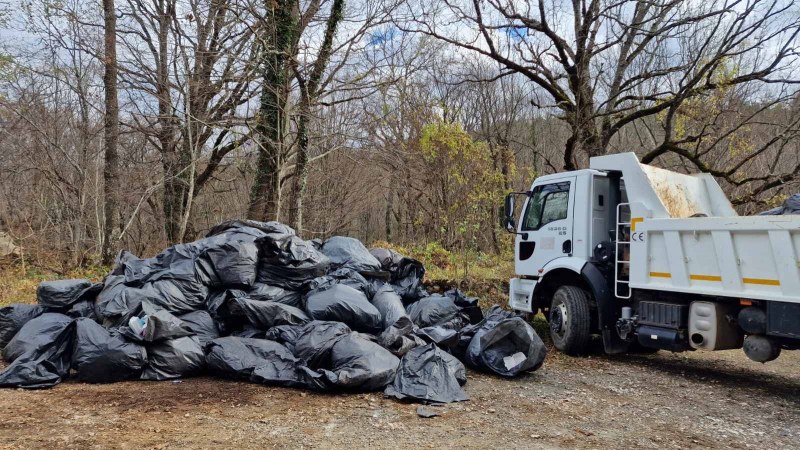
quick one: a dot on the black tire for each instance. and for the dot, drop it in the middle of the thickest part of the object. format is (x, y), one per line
(570, 320)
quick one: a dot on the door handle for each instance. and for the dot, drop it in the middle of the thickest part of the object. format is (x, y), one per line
(566, 247)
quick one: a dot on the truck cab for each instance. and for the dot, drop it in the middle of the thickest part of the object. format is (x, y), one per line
(643, 257)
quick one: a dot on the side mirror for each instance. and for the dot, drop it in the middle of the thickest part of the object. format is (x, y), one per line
(508, 214)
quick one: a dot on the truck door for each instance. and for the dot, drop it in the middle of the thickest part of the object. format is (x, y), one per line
(546, 225)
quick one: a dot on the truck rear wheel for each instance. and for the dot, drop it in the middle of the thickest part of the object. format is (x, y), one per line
(570, 320)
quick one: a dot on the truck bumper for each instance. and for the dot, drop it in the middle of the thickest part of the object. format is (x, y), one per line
(520, 294)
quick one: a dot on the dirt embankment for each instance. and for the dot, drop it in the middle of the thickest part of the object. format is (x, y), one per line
(719, 400)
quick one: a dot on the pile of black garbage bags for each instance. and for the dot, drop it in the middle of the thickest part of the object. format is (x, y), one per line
(253, 301)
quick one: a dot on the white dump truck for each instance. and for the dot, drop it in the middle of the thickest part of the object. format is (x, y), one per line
(652, 259)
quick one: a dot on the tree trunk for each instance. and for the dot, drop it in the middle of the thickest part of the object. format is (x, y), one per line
(271, 121)
(310, 93)
(111, 133)
(174, 159)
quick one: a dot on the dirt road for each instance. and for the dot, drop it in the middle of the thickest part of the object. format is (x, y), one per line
(665, 400)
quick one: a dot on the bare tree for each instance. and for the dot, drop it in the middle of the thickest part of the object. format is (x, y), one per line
(605, 65)
(111, 131)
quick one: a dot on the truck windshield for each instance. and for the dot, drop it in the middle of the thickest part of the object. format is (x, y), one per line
(548, 203)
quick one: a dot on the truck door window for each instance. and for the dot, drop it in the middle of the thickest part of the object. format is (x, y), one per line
(549, 202)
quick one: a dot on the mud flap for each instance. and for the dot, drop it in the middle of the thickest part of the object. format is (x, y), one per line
(607, 310)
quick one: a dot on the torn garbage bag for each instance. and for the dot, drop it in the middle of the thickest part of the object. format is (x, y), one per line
(468, 305)
(350, 253)
(61, 294)
(505, 346)
(202, 325)
(41, 353)
(429, 374)
(13, 317)
(359, 364)
(406, 274)
(236, 357)
(103, 357)
(174, 358)
(344, 304)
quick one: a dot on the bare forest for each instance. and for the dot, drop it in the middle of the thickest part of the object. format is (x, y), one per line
(135, 124)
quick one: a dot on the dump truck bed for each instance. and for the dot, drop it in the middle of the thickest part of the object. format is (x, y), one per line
(755, 257)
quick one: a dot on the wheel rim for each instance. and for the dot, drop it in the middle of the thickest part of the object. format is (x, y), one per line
(559, 320)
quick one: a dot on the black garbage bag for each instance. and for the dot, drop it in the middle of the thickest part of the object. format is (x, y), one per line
(237, 357)
(439, 335)
(289, 261)
(348, 277)
(40, 352)
(265, 292)
(790, 206)
(216, 299)
(506, 346)
(237, 311)
(37, 333)
(400, 338)
(83, 308)
(350, 253)
(429, 374)
(59, 295)
(157, 325)
(284, 334)
(315, 341)
(177, 261)
(406, 274)
(390, 305)
(103, 357)
(492, 315)
(202, 325)
(117, 302)
(436, 310)
(178, 295)
(249, 331)
(231, 264)
(174, 358)
(13, 317)
(342, 303)
(256, 229)
(468, 305)
(360, 364)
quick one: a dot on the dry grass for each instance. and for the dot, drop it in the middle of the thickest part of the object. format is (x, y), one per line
(18, 283)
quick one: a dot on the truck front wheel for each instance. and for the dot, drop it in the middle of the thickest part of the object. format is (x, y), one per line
(570, 320)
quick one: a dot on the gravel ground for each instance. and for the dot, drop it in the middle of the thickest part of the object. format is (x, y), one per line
(690, 400)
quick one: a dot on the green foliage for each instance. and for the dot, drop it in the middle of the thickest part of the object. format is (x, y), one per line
(465, 183)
